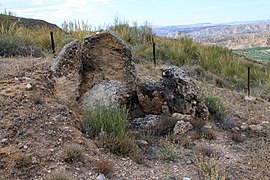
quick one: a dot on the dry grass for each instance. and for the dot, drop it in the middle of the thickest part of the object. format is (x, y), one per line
(168, 150)
(72, 153)
(103, 166)
(122, 144)
(208, 167)
(58, 176)
(259, 159)
(205, 151)
(237, 137)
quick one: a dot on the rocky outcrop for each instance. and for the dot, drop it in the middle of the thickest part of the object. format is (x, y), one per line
(175, 91)
(107, 57)
(67, 72)
(181, 127)
(79, 68)
(106, 93)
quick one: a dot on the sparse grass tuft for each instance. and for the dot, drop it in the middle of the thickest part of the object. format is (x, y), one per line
(103, 166)
(105, 119)
(168, 151)
(72, 153)
(208, 167)
(205, 151)
(259, 159)
(208, 134)
(58, 176)
(121, 144)
(215, 106)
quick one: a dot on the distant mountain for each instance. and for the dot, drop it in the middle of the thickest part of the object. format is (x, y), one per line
(234, 35)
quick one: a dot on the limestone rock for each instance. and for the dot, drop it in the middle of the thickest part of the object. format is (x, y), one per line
(107, 57)
(181, 117)
(67, 72)
(256, 128)
(107, 93)
(158, 124)
(181, 127)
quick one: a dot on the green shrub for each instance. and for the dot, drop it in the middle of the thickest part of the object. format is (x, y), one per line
(105, 119)
(72, 153)
(15, 46)
(215, 106)
(168, 150)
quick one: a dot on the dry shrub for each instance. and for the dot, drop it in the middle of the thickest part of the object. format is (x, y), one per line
(208, 134)
(208, 167)
(259, 159)
(121, 144)
(236, 137)
(72, 153)
(58, 176)
(103, 166)
(197, 123)
(22, 161)
(205, 151)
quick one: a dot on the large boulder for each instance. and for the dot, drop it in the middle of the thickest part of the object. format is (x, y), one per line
(106, 57)
(106, 93)
(175, 92)
(181, 93)
(67, 72)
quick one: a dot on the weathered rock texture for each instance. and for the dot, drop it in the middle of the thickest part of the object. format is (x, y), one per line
(107, 57)
(150, 97)
(174, 91)
(181, 93)
(67, 72)
(107, 93)
(157, 124)
(181, 127)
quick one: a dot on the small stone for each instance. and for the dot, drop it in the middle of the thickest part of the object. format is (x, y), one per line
(186, 178)
(243, 127)
(235, 129)
(101, 177)
(182, 127)
(256, 128)
(142, 142)
(265, 122)
(29, 86)
(189, 162)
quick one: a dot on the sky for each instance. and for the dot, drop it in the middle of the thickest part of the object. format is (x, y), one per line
(156, 12)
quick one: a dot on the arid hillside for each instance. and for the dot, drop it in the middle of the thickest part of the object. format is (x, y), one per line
(44, 137)
(235, 36)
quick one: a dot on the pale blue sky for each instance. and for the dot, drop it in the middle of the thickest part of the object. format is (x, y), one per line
(157, 12)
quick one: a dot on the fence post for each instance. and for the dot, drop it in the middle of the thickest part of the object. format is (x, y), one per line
(52, 41)
(248, 81)
(154, 51)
